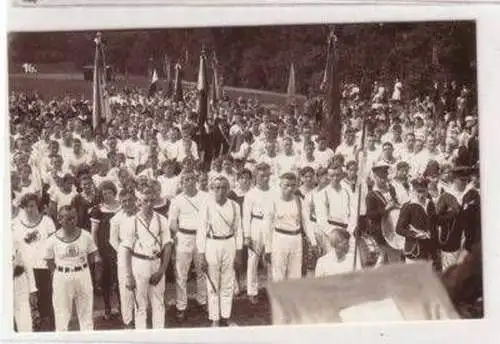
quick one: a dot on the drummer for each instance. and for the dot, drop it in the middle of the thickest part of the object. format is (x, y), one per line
(380, 201)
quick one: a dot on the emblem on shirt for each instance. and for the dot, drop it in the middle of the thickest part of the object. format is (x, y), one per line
(32, 237)
(72, 251)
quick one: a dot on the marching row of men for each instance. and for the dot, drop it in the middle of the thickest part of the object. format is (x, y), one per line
(211, 230)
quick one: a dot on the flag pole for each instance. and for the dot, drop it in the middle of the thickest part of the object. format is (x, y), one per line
(96, 99)
(360, 161)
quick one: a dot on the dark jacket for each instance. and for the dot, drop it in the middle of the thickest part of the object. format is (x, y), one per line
(375, 210)
(425, 220)
(447, 211)
(470, 218)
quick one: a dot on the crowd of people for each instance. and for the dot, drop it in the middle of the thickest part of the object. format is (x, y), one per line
(153, 196)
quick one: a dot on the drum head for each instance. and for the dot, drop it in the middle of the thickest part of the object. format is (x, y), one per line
(389, 223)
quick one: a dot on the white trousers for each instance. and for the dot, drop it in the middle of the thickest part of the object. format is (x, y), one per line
(286, 256)
(126, 295)
(257, 236)
(22, 309)
(147, 294)
(220, 258)
(185, 254)
(68, 287)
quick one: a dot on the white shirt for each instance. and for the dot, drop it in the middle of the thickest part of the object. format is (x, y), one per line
(231, 177)
(97, 153)
(98, 179)
(372, 156)
(169, 186)
(286, 216)
(347, 151)
(256, 202)
(235, 130)
(329, 265)
(33, 239)
(324, 157)
(287, 163)
(131, 149)
(418, 163)
(146, 240)
(61, 198)
(304, 162)
(405, 155)
(70, 254)
(402, 194)
(116, 228)
(187, 210)
(243, 152)
(219, 220)
(169, 150)
(334, 205)
(182, 152)
(75, 162)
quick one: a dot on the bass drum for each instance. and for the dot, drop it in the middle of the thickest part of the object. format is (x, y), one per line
(369, 251)
(388, 225)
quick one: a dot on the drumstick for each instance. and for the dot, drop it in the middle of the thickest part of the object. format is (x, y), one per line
(211, 282)
(417, 231)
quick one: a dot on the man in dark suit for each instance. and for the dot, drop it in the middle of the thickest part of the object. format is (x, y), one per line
(417, 224)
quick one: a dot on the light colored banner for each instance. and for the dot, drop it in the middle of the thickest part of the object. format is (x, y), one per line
(391, 293)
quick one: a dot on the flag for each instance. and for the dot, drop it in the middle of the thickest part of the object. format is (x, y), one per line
(332, 118)
(392, 292)
(186, 56)
(154, 84)
(291, 85)
(167, 69)
(215, 90)
(178, 94)
(203, 89)
(100, 105)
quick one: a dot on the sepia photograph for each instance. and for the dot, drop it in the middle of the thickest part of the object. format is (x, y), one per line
(244, 176)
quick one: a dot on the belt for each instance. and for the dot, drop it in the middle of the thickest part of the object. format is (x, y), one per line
(282, 231)
(338, 224)
(219, 237)
(255, 216)
(187, 231)
(71, 269)
(130, 157)
(144, 257)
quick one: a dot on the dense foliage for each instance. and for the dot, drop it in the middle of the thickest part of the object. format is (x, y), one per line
(259, 57)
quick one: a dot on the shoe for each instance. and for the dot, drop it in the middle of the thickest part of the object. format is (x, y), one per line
(180, 315)
(215, 323)
(128, 326)
(253, 299)
(107, 316)
(202, 307)
(223, 322)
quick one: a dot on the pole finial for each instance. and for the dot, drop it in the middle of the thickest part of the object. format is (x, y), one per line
(98, 38)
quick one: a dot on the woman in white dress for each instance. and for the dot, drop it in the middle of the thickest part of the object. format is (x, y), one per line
(32, 229)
